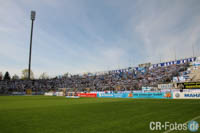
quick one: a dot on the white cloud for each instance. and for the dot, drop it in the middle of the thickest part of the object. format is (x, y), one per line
(161, 32)
(70, 36)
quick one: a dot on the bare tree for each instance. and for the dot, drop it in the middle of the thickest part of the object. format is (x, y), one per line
(25, 74)
(1, 76)
(15, 77)
(44, 75)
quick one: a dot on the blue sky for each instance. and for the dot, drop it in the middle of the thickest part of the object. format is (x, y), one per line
(78, 36)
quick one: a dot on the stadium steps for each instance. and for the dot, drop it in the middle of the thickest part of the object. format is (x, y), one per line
(195, 75)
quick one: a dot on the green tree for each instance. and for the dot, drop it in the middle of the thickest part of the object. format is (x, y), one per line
(7, 76)
(25, 74)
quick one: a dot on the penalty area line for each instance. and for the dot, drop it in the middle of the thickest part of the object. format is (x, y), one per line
(195, 118)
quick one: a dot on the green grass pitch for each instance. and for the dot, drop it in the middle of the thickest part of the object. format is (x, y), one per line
(46, 114)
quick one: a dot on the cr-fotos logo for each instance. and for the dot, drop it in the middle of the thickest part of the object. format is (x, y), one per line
(192, 126)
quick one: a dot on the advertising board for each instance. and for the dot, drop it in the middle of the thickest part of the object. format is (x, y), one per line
(48, 93)
(189, 85)
(87, 94)
(165, 86)
(186, 95)
(105, 95)
(160, 95)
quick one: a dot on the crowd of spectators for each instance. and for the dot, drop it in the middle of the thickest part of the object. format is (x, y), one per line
(129, 80)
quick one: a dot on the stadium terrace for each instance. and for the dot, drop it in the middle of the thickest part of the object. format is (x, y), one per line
(145, 75)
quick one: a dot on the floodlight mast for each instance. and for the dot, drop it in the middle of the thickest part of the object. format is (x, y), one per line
(33, 13)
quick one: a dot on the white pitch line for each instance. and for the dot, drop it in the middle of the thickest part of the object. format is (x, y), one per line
(195, 118)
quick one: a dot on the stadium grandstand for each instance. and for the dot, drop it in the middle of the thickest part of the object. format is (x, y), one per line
(132, 78)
